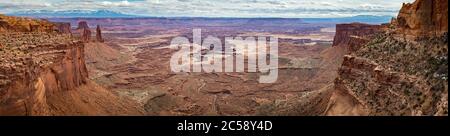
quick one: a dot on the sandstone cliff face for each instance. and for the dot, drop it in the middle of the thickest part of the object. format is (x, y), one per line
(354, 35)
(391, 77)
(64, 28)
(84, 31)
(86, 35)
(423, 18)
(44, 73)
(33, 71)
(21, 24)
(396, 75)
(83, 25)
(98, 34)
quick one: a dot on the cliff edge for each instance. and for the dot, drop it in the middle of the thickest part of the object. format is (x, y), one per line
(43, 72)
(422, 18)
(394, 74)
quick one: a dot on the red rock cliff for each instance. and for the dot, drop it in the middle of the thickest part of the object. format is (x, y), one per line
(98, 34)
(392, 75)
(48, 76)
(423, 17)
(354, 35)
(85, 32)
(63, 27)
(22, 24)
(29, 74)
(83, 25)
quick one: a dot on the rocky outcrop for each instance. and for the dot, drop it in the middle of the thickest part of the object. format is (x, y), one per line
(85, 35)
(64, 28)
(84, 31)
(388, 76)
(354, 35)
(98, 34)
(37, 70)
(394, 75)
(4, 26)
(22, 24)
(423, 18)
(380, 91)
(83, 25)
(44, 73)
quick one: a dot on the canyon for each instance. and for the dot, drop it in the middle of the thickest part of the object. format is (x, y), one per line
(120, 66)
(133, 61)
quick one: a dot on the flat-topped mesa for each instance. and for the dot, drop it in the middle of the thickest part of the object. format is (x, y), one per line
(98, 34)
(85, 32)
(354, 35)
(423, 18)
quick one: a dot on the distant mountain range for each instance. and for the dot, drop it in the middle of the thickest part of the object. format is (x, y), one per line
(112, 14)
(361, 18)
(72, 14)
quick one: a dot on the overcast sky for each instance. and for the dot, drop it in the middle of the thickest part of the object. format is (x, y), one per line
(217, 8)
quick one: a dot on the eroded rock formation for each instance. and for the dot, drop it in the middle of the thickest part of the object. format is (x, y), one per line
(354, 35)
(44, 73)
(98, 34)
(86, 35)
(63, 27)
(390, 77)
(55, 63)
(83, 25)
(394, 75)
(22, 24)
(423, 18)
(85, 32)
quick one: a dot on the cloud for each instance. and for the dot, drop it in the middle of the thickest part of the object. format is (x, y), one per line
(116, 4)
(217, 8)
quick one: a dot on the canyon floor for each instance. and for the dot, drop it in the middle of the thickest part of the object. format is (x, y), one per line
(134, 62)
